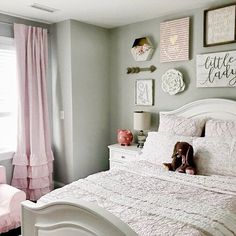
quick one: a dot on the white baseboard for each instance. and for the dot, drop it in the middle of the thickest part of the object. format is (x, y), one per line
(58, 184)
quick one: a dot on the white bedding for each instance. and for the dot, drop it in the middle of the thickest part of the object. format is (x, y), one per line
(154, 202)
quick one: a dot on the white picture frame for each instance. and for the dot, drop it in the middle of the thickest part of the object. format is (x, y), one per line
(216, 69)
(144, 92)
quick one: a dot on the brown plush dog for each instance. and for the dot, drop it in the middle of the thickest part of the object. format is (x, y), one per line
(182, 159)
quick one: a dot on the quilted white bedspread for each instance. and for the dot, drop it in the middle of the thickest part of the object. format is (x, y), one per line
(154, 202)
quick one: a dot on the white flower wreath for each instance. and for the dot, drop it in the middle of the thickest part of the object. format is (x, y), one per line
(172, 82)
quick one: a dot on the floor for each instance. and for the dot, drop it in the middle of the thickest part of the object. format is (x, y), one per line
(14, 232)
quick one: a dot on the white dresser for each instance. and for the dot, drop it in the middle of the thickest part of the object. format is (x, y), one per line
(118, 155)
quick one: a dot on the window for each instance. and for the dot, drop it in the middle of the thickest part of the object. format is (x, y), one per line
(8, 95)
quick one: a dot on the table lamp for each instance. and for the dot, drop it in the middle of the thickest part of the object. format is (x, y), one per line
(142, 121)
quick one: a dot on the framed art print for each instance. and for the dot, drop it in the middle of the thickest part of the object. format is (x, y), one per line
(144, 92)
(174, 44)
(216, 69)
(219, 25)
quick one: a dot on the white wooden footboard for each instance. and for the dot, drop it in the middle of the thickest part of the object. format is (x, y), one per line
(70, 218)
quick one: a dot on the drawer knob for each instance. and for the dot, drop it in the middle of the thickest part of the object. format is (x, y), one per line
(123, 157)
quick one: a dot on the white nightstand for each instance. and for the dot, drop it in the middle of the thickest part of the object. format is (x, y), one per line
(118, 155)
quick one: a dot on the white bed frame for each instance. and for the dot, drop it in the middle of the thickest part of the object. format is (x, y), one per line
(79, 218)
(70, 218)
(207, 108)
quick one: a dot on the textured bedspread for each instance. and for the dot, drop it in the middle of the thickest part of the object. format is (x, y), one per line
(154, 202)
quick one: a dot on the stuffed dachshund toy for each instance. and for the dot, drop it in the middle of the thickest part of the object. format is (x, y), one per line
(182, 159)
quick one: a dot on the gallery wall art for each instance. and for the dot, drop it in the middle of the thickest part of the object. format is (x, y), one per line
(216, 69)
(174, 44)
(172, 82)
(144, 92)
(142, 49)
(219, 25)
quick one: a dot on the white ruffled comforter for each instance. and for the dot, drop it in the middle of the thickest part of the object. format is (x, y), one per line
(154, 202)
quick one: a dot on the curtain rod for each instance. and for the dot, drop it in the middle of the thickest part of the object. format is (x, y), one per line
(10, 23)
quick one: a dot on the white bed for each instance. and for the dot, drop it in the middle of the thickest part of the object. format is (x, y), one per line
(140, 198)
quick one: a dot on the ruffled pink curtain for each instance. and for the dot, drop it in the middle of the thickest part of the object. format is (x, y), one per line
(33, 159)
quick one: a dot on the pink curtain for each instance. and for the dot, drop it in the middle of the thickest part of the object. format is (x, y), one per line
(33, 159)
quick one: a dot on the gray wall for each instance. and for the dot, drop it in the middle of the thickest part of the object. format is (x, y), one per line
(6, 30)
(81, 89)
(122, 85)
(62, 100)
(90, 89)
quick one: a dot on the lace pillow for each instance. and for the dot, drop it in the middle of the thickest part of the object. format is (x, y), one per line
(159, 147)
(176, 125)
(215, 155)
(222, 128)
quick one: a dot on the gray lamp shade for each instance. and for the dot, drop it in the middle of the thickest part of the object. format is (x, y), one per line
(142, 120)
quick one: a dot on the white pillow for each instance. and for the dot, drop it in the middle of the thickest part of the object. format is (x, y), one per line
(215, 155)
(176, 125)
(222, 128)
(159, 147)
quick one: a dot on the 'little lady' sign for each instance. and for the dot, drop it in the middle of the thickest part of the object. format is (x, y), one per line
(216, 69)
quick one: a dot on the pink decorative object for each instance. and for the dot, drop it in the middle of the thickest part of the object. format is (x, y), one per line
(124, 137)
(174, 43)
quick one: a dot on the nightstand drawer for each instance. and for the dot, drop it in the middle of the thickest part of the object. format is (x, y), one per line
(115, 164)
(121, 156)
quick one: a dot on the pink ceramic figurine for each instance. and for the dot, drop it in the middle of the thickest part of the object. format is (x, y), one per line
(124, 137)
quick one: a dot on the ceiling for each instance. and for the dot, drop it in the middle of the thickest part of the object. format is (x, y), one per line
(105, 13)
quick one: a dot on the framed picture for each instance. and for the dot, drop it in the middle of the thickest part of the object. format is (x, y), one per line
(174, 44)
(219, 25)
(216, 69)
(144, 92)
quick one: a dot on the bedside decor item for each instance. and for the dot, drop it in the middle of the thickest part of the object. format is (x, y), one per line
(135, 70)
(175, 40)
(172, 82)
(216, 69)
(124, 137)
(144, 92)
(219, 25)
(142, 121)
(142, 49)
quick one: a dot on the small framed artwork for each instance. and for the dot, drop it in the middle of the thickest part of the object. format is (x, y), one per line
(174, 43)
(219, 25)
(144, 92)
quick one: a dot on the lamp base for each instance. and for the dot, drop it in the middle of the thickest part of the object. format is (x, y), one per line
(141, 139)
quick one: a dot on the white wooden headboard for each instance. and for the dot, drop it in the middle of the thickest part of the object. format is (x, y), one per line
(216, 108)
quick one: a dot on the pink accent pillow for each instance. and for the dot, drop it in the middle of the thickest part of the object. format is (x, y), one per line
(220, 128)
(177, 125)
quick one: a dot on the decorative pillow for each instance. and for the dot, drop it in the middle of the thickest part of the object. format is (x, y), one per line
(159, 147)
(176, 125)
(215, 155)
(220, 128)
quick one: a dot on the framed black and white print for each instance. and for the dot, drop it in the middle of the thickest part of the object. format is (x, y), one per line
(144, 92)
(219, 25)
